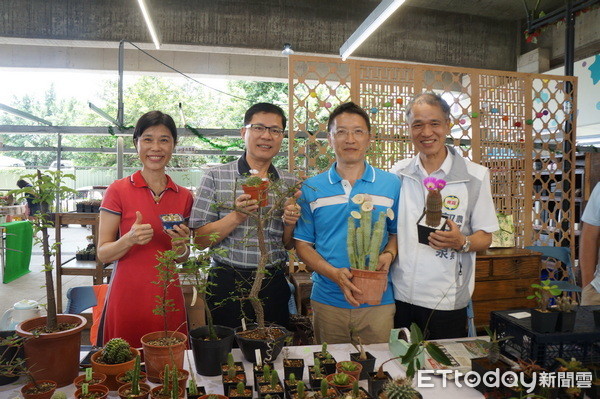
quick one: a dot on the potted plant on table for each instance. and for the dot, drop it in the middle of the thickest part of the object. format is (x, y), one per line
(400, 388)
(364, 245)
(210, 343)
(326, 359)
(340, 381)
(292, 366)
(543, 320)
(135, 389)
(54, 353)
(361, 356)
(492, 361)
(164, 347)
(432, 218)
(567, 313)
(269, 339)
(115, 358)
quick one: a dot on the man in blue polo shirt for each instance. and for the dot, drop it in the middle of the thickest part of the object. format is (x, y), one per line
(321, 232)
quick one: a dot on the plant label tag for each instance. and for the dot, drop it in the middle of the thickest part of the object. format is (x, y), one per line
(243, 324)
(258, 356)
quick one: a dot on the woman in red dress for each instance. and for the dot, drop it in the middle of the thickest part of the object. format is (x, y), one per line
(131, 234)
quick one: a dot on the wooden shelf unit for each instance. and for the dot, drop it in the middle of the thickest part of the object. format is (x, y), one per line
(98, 272)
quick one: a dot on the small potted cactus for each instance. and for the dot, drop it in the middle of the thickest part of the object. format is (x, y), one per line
(257, 188)
(567, 313)
(432, 218)
(315, 374)
(327, 361)
(135, 389)
(400, 388)
(365, 244)
(240, 391)
(115, 358)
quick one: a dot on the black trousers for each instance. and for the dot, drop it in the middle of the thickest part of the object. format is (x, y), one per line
(435, 324)
(227, 282)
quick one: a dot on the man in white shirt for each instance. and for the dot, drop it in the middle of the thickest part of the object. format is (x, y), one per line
(433, 283)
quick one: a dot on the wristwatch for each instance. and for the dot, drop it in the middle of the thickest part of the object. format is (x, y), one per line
(466, 246)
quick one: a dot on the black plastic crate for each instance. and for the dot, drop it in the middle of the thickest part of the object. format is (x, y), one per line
(583, 343)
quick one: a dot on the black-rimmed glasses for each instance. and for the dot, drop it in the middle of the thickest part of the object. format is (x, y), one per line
(260, 129)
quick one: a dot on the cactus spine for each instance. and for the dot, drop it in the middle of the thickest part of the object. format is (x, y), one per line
(116, 351)
(400, 389)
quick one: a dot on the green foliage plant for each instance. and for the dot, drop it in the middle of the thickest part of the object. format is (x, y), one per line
(543, 292)
(46, 188)
(116, 351)
(418, 344)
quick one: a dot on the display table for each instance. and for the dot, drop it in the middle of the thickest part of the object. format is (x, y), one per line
(339, 351)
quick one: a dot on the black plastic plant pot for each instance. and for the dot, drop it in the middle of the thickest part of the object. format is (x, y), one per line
(315, 383)
(368, 365)
(543, 322)
(295, 366)
(229, 383)
(234, 395)
(11, 352)
(239, 367)
(566, 321)
(265, 389)
(208, 355)
(201, 392)
(423, 230)
(248, 346)
(375, 384)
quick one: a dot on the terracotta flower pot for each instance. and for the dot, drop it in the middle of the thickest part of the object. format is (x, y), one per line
(53, 356)
(354, 373)
(42, 395)
(156, 356)
(98, 389)
(144, 391)
(112, 370)
(182, 377)
(371, 283)
(97, 379)
(155, 393)
(259, 193)
(330, 377)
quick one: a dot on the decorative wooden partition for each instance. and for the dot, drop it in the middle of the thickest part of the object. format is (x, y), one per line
(513, 123)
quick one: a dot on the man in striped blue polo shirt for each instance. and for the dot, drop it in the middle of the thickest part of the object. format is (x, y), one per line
(321, 232)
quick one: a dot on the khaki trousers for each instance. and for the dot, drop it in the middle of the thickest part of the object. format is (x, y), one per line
(589, 296)
(371, 324)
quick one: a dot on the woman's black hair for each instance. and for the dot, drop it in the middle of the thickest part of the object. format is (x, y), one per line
(154, 118)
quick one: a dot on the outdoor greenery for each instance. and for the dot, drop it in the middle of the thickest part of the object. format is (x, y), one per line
(201, 106)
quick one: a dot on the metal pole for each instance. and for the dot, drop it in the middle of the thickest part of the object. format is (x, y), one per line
(120, 109)
(120, 151)
(58, 168)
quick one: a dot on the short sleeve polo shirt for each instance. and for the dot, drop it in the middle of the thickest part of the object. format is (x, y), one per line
(326, 203)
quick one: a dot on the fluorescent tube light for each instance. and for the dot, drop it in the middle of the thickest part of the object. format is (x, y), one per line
(373, 21)
(149, 23)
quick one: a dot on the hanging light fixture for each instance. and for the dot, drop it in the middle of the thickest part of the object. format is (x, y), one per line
(287, 49)
(373, 21)
(149, 24)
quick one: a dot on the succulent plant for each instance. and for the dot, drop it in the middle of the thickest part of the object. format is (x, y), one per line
(400, 389)
(116, 351)
(300, 390)
(341, 379)
(565, 303)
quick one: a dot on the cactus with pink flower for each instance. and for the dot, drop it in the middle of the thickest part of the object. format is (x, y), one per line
(433, 203)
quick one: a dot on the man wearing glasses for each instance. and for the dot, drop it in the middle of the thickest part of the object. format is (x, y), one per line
(232, 272)
(321, 233)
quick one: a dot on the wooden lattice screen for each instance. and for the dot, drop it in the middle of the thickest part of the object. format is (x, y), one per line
(513, 123)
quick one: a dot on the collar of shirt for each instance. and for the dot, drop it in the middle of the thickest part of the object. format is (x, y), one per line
(138, 181)
(368, 175)
(443, 170)
(244, 168)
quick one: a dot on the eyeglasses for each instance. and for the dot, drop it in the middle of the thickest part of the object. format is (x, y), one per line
(343, 133)
(260, 129)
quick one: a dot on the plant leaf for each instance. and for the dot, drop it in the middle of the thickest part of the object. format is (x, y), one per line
(416, 335)
(436, 353)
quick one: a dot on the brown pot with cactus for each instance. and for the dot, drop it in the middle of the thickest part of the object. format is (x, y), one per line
(115, 358)
(43, 389)
(364, 247)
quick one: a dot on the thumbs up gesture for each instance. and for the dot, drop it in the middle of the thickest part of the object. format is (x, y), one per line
(140, 233)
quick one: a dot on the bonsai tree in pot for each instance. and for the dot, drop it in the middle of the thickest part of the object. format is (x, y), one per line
(364, 246)
(542, 319)
(51, 355)
(210, 343)
(269, 340)
(164, 347)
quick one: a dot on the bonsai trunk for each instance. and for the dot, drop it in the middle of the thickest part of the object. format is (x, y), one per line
(260, 272)
(212, 333)
(51, 321)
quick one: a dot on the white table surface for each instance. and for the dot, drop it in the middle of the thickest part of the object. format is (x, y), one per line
(339, 351)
